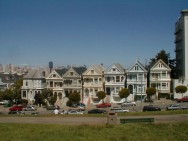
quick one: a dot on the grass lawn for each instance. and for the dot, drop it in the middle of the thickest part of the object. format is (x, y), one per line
(127, 132)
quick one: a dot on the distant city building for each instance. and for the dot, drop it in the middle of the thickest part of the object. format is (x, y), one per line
(181, 50)
(181, 42)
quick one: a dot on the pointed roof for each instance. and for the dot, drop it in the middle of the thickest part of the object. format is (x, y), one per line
(118, 66)
(154, 66)
(80, 70)
(139, 64)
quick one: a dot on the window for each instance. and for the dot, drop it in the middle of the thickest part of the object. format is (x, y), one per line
(51, 83)
(26, 83)
(96, 80)
(71, 73)
(136, 68)
(54, 75)
(117, 78)
(122, 78)
(92, 71)
(113, 69)
(24, 94)
(108, 79)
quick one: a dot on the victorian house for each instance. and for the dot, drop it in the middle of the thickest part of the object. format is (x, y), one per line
(160, 78)
(137, 81)
(65, 81)
(33, 83)
(93, 82)
(114, 78)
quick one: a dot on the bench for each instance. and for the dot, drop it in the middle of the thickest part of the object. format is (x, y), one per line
(134, 120)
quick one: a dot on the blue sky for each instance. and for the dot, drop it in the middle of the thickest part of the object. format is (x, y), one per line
(86, 32)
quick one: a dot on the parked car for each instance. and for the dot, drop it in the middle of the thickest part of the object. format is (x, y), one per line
(97, 111)
(184, 99)
(176, 107)
(30, 108)
(52, 107)
(118, 110)
(75, 112)
(16, 108)
(16, 113)
(2, 102)
(79, 106)
(128, 103)
(103, 105)
(151, 108)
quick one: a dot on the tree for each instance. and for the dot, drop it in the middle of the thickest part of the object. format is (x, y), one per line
(101, 95)
(181, 89)
(74, 97)
(161, 55)
(150, 91)
(124, 93)
(47, 95)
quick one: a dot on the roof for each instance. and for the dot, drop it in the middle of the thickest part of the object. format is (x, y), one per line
(38, 73)
(61, 72)
(9, 78)
(80, 70)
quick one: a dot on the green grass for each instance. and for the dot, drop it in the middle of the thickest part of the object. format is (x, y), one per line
(127, 132)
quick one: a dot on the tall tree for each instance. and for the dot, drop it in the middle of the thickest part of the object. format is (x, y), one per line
(124, 93)
(101, 95)
(161, 55)
(181, 89)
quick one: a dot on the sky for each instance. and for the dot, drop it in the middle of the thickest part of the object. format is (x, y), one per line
(86, 32)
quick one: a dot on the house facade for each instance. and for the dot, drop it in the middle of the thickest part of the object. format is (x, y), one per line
(137, 82)
(114, 80)
(33, 83)
(93, 79)
(160, 78)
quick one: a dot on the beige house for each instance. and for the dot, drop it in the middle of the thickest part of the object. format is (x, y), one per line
(160, 78)
(93, 79)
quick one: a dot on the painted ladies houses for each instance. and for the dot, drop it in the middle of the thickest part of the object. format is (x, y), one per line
(160, 78)
(137, 81)
(65, 81)
(93, 82)
(114, 78)
(33, 83)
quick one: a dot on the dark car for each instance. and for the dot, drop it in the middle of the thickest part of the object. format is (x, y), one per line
(97, 111)
(151, 108)
(16, 113)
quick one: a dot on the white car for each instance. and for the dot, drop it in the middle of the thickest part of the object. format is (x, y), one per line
(118, 110)
(75, 112)
(128, 103)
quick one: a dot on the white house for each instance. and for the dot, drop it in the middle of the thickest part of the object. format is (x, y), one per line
(137, 81)
(114, 78)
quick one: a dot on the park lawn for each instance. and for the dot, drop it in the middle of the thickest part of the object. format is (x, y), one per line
(128, 132)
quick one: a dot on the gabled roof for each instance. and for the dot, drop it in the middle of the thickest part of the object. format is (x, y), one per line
(118, 66)
(138, 64)
(160, 61)
(98, 68)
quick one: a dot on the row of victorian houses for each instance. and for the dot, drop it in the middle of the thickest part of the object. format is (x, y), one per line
(88, 81)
